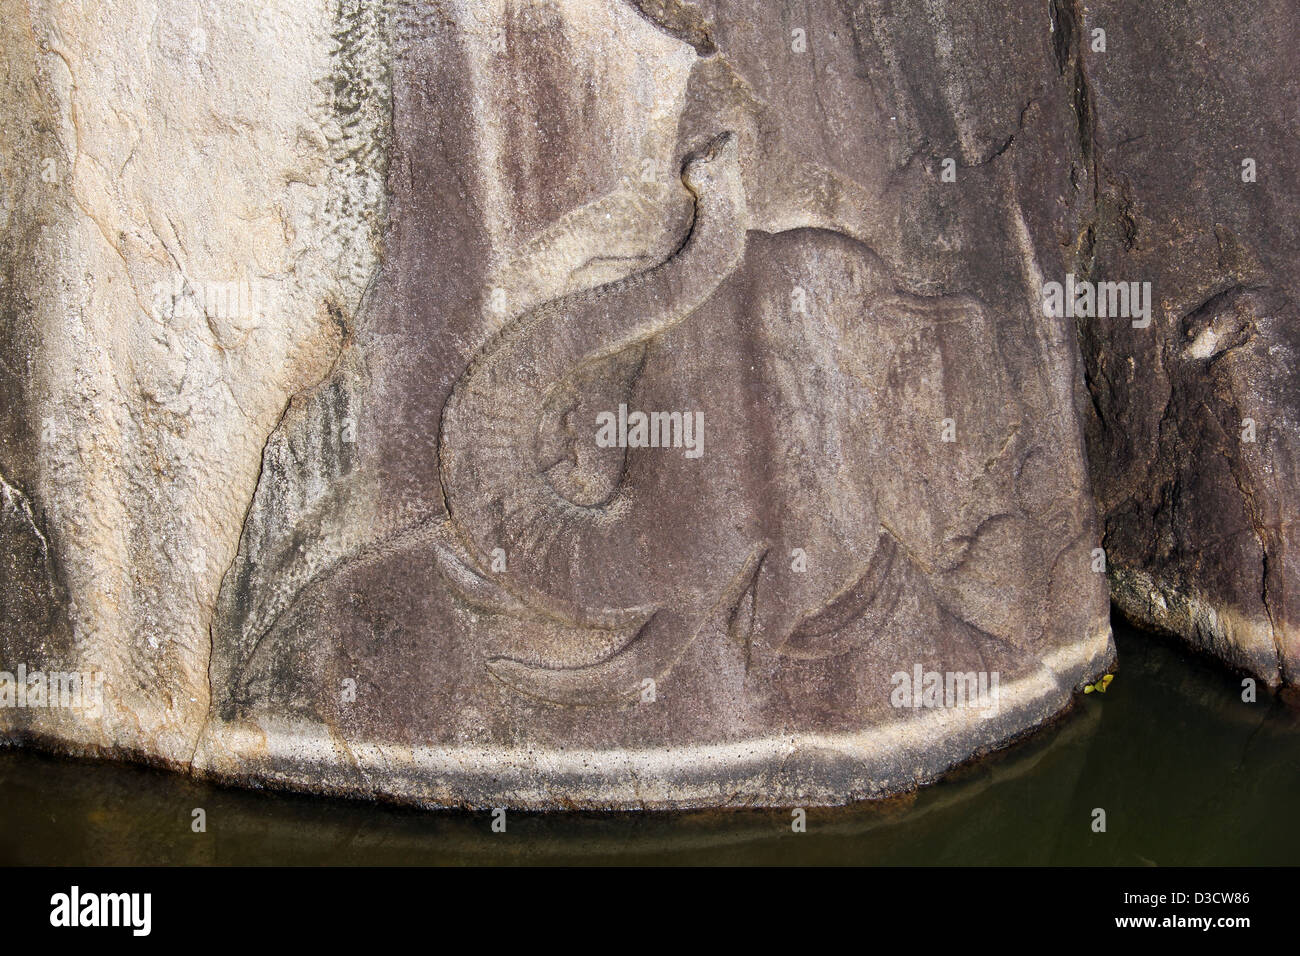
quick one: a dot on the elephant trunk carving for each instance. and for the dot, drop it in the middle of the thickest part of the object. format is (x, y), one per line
(497, 496)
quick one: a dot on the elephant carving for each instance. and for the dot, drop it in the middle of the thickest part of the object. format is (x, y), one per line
(568, 556)
(599, 555)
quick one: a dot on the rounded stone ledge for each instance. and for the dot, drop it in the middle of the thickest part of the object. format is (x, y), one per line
(779, 770)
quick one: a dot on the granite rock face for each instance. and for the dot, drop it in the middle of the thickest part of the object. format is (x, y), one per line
(1191, 127)
(188, 205)
(404, 526)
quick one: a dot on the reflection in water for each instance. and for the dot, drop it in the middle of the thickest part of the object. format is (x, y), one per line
(1187, 773)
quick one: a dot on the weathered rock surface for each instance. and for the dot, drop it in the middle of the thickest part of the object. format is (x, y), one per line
(1193, 437)
(364, 539)
(183, 212)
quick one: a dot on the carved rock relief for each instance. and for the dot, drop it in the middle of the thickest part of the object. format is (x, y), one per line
(545, 574)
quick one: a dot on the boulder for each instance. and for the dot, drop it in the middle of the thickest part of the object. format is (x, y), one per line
(548, 405)
(1189, 123)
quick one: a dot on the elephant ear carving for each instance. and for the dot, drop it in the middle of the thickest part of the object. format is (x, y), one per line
(576, 469)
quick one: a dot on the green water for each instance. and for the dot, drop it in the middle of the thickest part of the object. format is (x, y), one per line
(1187, 773)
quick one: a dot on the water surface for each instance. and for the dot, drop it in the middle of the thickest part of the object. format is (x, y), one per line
(1186, 771)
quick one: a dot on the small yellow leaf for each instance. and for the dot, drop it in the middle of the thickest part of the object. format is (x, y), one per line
(1088, 689)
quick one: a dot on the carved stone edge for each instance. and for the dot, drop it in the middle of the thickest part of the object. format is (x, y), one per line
(781, 770)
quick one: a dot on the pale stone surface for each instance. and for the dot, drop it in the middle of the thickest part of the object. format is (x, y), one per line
(479, 225)
(164, 148)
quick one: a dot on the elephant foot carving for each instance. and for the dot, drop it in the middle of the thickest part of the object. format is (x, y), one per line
(651, 653)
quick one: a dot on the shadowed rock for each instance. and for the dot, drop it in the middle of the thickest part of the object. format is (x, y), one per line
(1192, 426)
